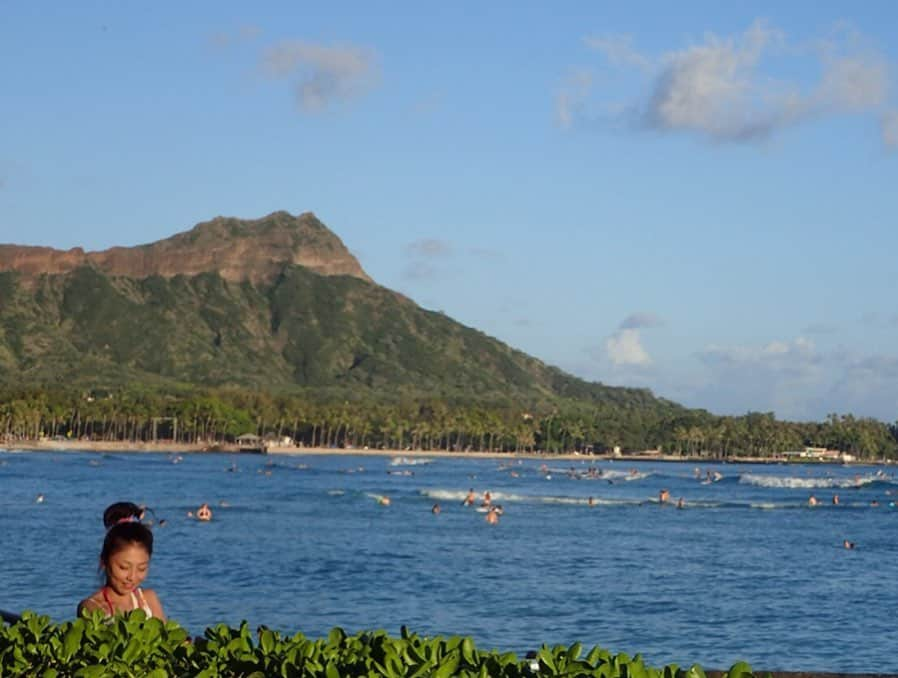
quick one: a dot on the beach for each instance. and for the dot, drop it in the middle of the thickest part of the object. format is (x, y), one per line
(168, 446)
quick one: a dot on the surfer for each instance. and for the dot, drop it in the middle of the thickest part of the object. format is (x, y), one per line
(487, 499)
(591, 501)
(835, 500)
(680, 503)
(384, 500)
(469, 499)
(664, 496)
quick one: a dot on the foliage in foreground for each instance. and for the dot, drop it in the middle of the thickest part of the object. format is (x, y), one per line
(136, 646)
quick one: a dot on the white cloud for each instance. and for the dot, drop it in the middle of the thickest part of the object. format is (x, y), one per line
(323, 75)
(798, 353)
(722, 87)
(787, 377)
(853, 84)
(714, 89)
(624, 347)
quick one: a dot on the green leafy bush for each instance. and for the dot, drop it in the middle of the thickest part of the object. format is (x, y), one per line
(136, 646)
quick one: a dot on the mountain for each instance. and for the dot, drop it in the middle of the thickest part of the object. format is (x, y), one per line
(235, 249)
(276, 303)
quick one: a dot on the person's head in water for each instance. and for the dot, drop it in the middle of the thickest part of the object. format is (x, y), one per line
(121, 512)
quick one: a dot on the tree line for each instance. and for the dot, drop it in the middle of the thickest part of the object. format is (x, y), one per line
(213, 417)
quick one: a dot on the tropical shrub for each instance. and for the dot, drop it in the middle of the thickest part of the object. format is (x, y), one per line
(135, 646)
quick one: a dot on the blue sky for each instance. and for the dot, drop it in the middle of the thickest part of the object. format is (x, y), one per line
(699, 198)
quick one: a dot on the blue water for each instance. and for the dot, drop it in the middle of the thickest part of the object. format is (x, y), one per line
(746, 571)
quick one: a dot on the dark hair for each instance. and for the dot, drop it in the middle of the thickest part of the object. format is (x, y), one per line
(120, 536)
(119, 511)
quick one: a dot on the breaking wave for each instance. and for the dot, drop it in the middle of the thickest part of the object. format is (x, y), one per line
(794, 482)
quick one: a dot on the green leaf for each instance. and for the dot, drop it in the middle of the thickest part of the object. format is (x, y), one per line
(71, 641)
(467, 650)
(266, 640)
(448, 666)
(547, 658)
(740, 670)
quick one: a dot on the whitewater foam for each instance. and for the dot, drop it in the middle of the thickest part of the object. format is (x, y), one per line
(794, 482)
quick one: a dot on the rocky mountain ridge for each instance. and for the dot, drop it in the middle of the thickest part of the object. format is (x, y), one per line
(236, 249)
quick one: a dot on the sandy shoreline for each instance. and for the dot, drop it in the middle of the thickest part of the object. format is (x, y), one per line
(164, 447)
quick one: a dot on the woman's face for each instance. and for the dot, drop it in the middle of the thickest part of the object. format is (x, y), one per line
(127, 568)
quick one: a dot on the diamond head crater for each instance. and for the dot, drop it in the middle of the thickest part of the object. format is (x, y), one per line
(270, 329)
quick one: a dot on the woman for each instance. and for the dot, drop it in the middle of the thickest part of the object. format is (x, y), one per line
(125, 561)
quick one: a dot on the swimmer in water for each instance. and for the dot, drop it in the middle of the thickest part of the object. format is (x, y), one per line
(680, 503)
(435, 509)
(591, 501)
(384, 501)
(492, 517)
(487, 499)
(848, 544)
(469, 499)
(812, 500)
(39, 499)
(664, 496)
(835, 500)
(204, 513)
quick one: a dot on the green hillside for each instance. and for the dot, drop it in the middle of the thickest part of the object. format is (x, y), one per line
(303, 330)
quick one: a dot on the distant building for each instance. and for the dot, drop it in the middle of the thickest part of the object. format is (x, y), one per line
(250, 442)
(820, 454)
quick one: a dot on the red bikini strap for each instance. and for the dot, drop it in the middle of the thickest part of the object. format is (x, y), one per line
(108, 602)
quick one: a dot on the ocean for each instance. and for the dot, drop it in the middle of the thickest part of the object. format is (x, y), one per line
(746, 570)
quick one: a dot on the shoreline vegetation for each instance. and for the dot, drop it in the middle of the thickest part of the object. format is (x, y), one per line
(406, 423)
(171, 447)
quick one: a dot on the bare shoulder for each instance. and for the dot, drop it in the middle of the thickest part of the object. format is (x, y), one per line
(154, 603)
(93, 602)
